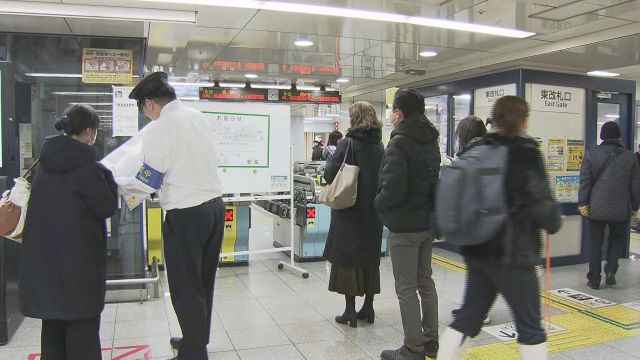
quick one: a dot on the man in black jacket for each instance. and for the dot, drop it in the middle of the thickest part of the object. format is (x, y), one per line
(405, 202)
(609, 194)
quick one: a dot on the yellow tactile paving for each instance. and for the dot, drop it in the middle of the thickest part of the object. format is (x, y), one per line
(584, 326)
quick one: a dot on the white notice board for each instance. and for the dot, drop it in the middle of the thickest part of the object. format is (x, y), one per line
(253, 142)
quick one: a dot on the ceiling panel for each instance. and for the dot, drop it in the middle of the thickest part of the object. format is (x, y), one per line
(627, 11)
(567, 11)
(213, 36)
(33, 24)
(224, 17)
(106, 27)
(129, 3)
(595, 24)
(605, 55)
(285, 41)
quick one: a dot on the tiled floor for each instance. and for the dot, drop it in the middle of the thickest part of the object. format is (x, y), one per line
(262, 313)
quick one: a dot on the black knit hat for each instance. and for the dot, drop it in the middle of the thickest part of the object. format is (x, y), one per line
(610, 131)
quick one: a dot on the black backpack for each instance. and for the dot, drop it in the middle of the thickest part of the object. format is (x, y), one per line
(471, 201)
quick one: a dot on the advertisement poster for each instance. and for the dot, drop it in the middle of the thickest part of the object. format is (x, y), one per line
(107, 66)
(556, 150)
(567, 187)
(575, 154)
(125, 112)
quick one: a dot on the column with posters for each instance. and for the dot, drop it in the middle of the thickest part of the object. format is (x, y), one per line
(557, 120)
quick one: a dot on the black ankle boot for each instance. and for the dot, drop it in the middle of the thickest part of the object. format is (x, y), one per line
(349, 316)
(595, 285)
(367, 312)
(611, 279)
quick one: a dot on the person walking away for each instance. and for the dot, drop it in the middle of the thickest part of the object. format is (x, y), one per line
(316, 154)
(405, 202)
(332, 143)
(355, 235)
(64, 249)
(506, 263)
(470, 130)
(180, 164)
(609, 195)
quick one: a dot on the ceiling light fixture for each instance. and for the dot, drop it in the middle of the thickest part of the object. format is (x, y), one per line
(95, 12)
(251, 76)
(80, 93)
(610, 116)
(91, 104)
(304, 43)
(602, 73)
(342, 80)
(428, 54)
(356, 14)
(463, 96)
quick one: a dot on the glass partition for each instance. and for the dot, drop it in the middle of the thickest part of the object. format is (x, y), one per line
(49, 68)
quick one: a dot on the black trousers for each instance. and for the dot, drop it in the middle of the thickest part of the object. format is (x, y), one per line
(71, 340)
(617, 235)
(192, 241)
(520, 288)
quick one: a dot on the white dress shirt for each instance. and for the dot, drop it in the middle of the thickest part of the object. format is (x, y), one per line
(181, 145)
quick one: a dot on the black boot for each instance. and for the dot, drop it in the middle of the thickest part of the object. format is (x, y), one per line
(350, 315)
(595, 285)
(366, 312)
(610, 279)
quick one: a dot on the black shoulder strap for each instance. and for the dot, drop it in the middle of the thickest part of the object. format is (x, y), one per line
(612, 156)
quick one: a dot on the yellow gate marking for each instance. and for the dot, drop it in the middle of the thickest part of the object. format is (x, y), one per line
(583, 327)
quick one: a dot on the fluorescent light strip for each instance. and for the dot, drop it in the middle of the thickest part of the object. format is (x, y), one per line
(90, 104)
(602, 73)
(356, 14)
(95, 12)
(80, 93)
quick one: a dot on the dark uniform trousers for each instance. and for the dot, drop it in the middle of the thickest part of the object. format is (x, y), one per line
(71, 339)
(192, 241)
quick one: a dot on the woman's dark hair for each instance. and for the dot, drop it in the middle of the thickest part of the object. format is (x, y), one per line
(334, 137)
(78, 118)
(509, 114)
(469, 128)
(408, 101)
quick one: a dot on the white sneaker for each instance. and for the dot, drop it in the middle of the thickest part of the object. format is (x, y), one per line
(487, 320)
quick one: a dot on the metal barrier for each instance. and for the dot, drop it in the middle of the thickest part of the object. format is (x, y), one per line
(154, 280)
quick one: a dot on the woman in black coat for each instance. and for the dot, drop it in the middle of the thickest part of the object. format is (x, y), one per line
(63, 268)
(506, 264)
(355, 235)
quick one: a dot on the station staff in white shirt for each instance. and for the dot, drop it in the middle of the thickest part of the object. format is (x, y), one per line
(180, 164)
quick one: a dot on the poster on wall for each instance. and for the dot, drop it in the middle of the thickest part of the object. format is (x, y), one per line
(567, 187)
(486, 97)
(558, 99)
(107, 66)
(556, 150)
(125, 112)
(575, 154)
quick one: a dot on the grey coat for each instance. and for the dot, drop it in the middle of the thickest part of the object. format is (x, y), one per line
(617, 192)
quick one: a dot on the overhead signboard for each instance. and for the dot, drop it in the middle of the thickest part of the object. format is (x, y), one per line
(558, 99)
(107, 66)
(233, 94)
(488, 96)
(319, 97)
(269, 95)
